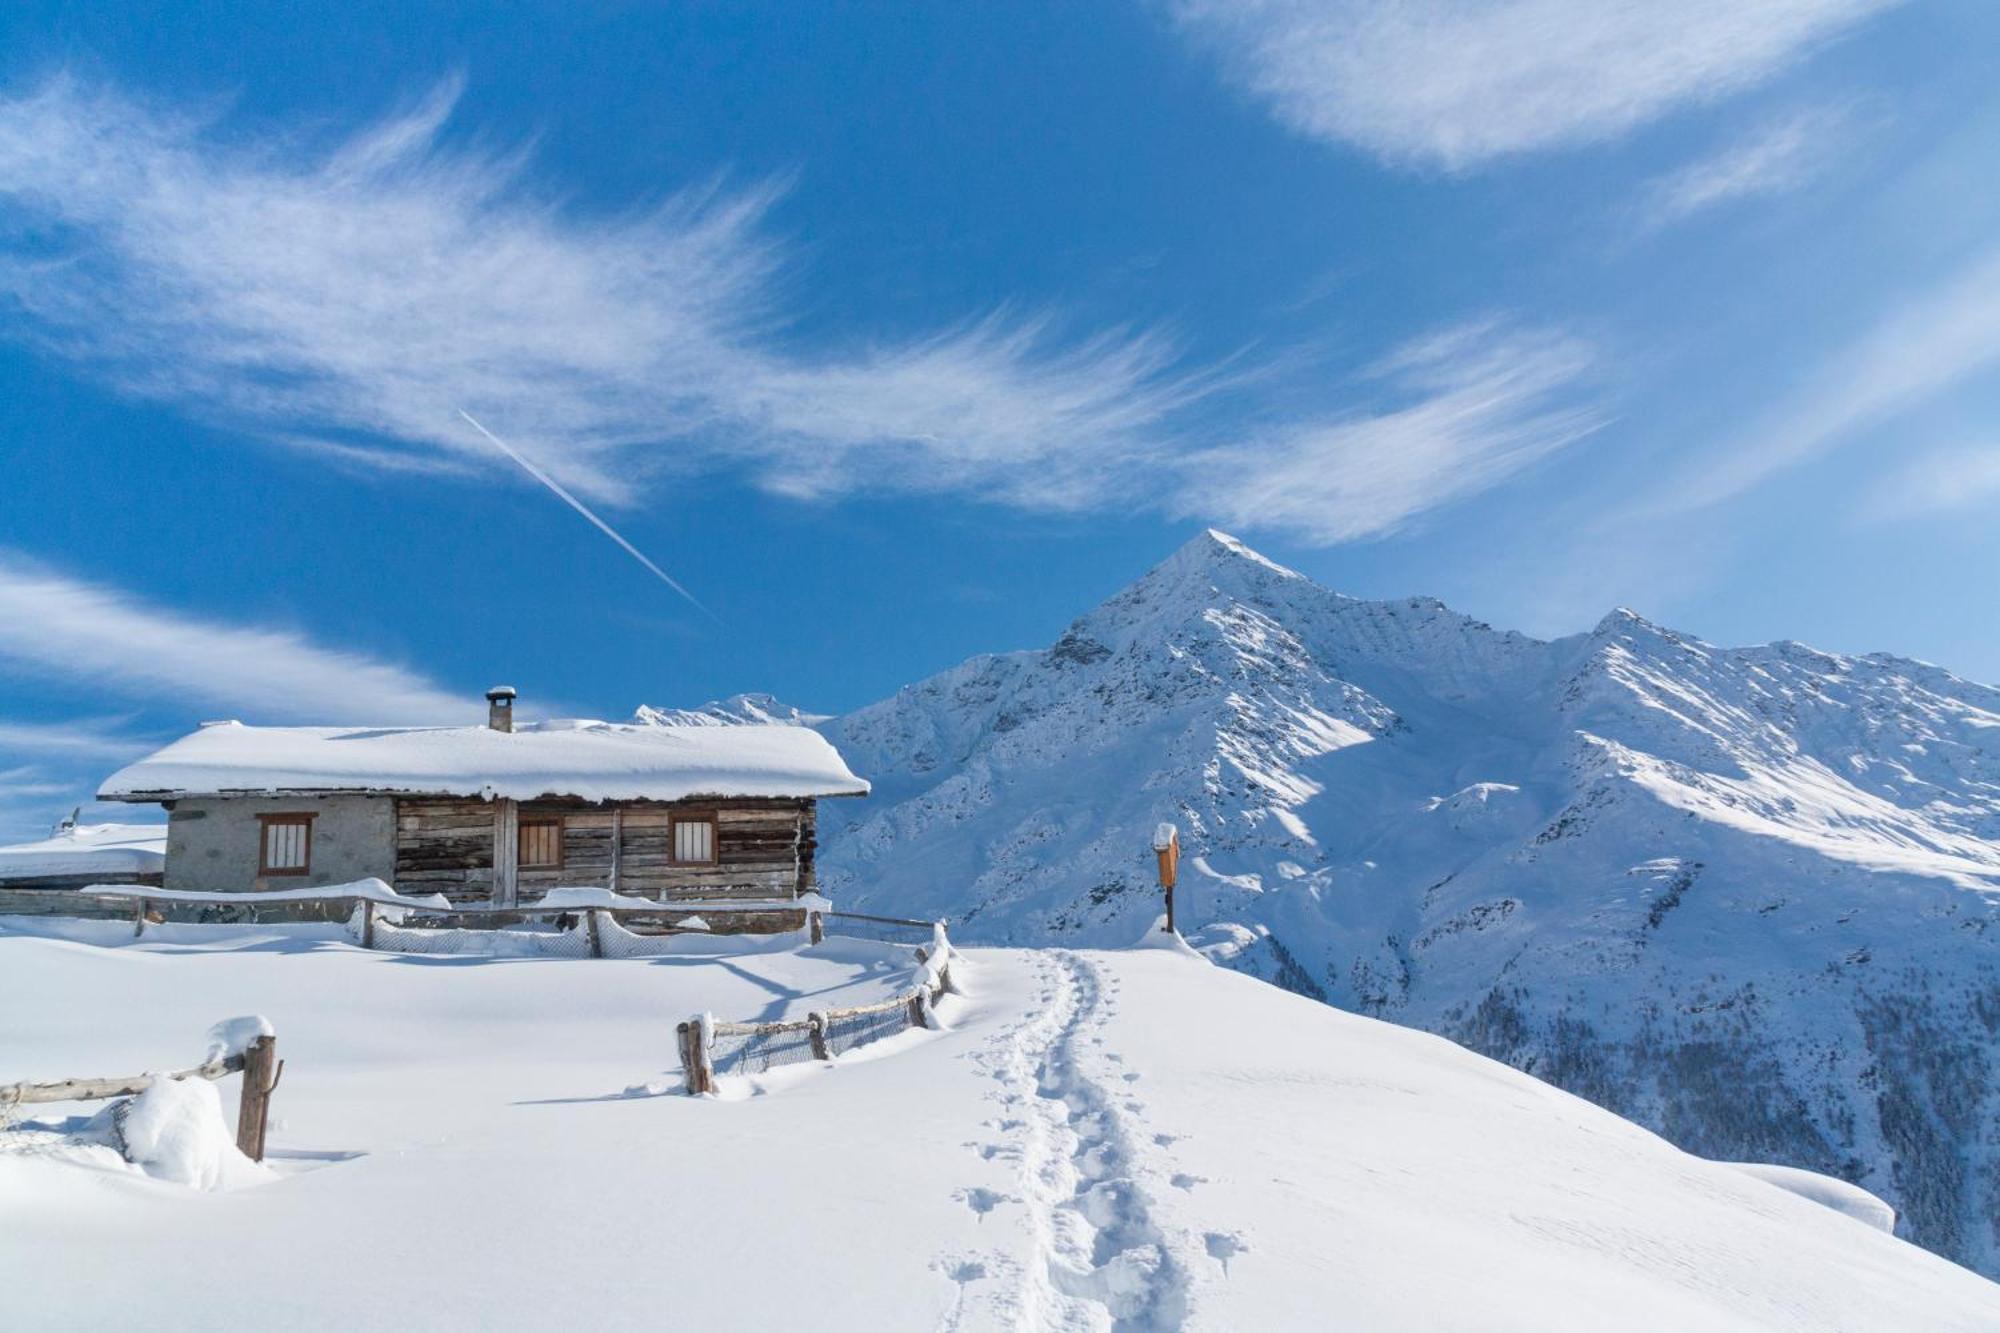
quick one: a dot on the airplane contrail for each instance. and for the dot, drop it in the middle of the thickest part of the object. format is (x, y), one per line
(584, 509)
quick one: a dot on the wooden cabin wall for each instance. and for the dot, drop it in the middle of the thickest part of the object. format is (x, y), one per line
(444, 845)
(764, 848)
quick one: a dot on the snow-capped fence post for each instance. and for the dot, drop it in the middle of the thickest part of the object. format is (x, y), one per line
(1167, 846)
(367, 924)
(816, 1034)
(816, 927)
(694, 1058)
(261, 1071)
(596, 933)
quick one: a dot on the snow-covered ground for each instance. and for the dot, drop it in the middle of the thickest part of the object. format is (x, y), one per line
(1100, 1140)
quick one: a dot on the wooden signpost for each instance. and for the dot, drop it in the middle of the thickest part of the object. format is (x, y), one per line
(1167, 846)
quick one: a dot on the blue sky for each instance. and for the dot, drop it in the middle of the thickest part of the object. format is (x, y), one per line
(900, 333)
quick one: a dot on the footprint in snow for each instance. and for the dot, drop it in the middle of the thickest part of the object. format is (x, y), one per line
(982, 1200)
(1131, 1078)
(1167, 1140)
(965, 1270)
(1183, 1181)
(1224, 1246)
(987, 1151)
(962, 1273)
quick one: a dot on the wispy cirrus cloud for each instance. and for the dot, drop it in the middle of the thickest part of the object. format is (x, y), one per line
(1451, 85)
(1776, 156)
(84, 738)
(58, 627)
(1478, 404)
(1925, 347)
(355, 297)
(1944, 481)
(351, 299)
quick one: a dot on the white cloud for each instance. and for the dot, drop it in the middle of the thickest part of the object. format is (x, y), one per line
(1946, 481)
(1453, 84)
(1776, 156)
(1481, 402)
(79, 632)
(1923, 349)
(354, 298)
(86, 738)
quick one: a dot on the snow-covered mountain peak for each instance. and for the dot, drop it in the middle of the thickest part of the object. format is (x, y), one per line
(1725, 891)
(736, 710)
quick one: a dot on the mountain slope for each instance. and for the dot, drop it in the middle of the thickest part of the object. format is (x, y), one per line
(1745, 896)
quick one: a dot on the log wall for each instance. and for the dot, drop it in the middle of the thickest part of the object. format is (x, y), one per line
(764, 848)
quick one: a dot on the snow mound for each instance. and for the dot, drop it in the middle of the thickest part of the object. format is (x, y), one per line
(1157, 936)
(174, 1131)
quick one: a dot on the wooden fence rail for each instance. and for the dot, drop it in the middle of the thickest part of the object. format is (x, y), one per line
(693, 1037)
(259, 1064)
(144, 901)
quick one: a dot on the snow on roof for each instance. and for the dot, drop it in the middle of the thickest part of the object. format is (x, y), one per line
(595, 761)
(89, 849)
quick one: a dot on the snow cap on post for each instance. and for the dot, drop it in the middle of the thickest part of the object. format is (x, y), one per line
(1164, 836)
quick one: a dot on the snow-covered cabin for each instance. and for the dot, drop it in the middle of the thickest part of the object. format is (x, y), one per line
(494, 813)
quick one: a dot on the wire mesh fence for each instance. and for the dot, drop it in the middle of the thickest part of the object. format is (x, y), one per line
(529, 940)
(752, 1048)
(883, 929)
(572, 934)
(857, 1027)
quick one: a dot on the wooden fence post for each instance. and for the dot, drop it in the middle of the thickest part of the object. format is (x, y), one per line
(816, 923)
(816, 1032)
(138, 917)
(367, 923)
(261, 1071)
(694, 1060)
(596, 934)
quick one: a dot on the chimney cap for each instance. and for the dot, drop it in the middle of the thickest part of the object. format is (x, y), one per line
(501, 692)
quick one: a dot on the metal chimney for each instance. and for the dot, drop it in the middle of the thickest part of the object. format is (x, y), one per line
(500, 708)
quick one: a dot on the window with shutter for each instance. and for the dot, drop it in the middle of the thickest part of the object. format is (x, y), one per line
(694, 841)
(541, 844)
(285, 844)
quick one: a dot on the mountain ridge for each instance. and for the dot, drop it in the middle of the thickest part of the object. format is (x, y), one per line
(1746, 896)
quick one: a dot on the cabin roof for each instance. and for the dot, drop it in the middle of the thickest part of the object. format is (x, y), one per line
(593, 761)
(89, 849)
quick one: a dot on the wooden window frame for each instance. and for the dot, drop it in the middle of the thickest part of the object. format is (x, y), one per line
(525, 822)
(714, 837)
(300, 819)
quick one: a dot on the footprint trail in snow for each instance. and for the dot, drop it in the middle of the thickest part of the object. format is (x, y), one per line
(1099, 1257)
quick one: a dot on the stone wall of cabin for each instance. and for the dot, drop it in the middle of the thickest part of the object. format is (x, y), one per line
(215, 843)
(764, 848)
